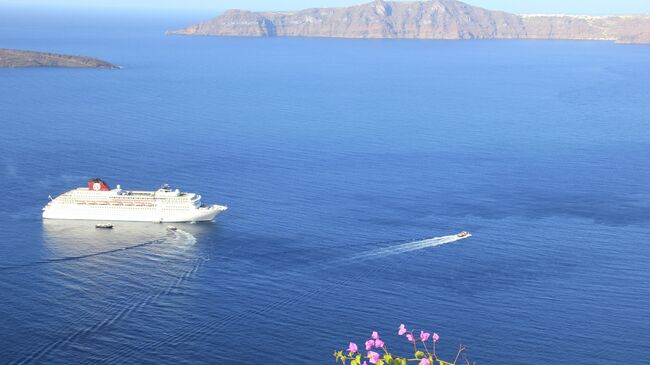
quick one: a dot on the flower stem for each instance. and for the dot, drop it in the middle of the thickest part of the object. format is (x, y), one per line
(415, 349)
(425, 347)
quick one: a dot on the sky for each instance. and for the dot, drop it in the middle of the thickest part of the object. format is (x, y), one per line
(589, 7)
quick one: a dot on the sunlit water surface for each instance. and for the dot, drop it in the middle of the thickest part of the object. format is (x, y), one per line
(343, 162)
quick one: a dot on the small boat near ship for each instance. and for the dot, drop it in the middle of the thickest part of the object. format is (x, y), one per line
(104, 226)
(172, 228)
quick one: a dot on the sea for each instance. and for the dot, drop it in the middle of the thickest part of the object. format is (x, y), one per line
(348, 166)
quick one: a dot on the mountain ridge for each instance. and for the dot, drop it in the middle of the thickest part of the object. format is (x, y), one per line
(434, 19)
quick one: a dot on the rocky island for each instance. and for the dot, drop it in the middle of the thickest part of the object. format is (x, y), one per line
(435, 19)
(13, 58)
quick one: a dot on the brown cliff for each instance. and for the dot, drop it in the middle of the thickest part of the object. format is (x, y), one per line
(435, 19)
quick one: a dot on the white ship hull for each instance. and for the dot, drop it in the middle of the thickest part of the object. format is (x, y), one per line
(99, 203)
(131, 214)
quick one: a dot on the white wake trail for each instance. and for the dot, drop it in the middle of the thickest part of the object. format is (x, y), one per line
(402, 248)
(184, 237)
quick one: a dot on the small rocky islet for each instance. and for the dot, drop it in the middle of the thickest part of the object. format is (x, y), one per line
(13, 58)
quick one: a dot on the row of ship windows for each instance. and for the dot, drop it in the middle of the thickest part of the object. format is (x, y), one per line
(134, 196)
(117, 204)
(119, 208)
(138, 199)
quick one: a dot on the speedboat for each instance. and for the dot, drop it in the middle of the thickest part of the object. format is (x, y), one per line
(104, 226)
(464, 234)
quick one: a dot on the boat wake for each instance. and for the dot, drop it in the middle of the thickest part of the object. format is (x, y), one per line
(184, 237)
(117, 313)
(401, 248)
(179, 237)
(136, 304)
(195, 333)
(81, 257)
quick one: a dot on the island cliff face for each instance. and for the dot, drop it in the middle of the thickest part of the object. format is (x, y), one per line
(15, 58)
(435, 19)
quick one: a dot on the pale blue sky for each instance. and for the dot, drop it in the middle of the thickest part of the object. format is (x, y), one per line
(596, 7)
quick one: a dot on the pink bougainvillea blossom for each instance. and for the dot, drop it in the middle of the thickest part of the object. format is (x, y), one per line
(377, 352)
(402, 330)
(369, 344)
(373, 356)
(409, 336)
(424, 336)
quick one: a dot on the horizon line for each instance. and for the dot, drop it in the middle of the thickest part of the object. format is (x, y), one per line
(216, 11)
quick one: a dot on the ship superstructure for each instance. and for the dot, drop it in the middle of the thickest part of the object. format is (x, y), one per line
(99, 202)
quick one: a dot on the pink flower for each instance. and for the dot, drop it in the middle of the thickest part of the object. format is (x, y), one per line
(402, 330)
(375, 335)
(409, 336)
(435, 337)
(379, 343)
(352, 347)
(369, 344)
(373, 356)
(364, 363)
(425, 361)
(424, 336)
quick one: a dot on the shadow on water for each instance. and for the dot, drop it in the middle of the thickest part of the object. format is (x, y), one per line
(72, 258)
(77, 240)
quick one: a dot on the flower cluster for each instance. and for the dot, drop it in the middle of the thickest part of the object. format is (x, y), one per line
(425, 341)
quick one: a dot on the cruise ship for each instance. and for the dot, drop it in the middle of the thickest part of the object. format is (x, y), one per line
(99, 202)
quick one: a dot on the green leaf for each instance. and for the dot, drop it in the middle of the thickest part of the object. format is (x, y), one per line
(356, 360)
(388, 358)
(419, 355)
(338, 355)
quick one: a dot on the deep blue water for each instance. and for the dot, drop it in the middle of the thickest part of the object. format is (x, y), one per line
(333, 156)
